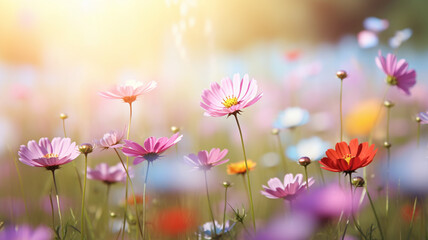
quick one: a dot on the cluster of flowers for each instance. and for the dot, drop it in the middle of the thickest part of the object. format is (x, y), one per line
(228, 98)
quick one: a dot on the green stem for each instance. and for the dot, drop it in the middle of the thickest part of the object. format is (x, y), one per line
(418, 134)
(21, 186)
(375, 214)
(209, 205)
(82, 222)
(127, 166)
(224, 211)
(413, 217)
(247, 171)
(144, 200)
(63, 127)
(57, 199)
(132, 190)
(281, 151)
(52, 210)
(306, 176)
(341, 113)
(388, 161)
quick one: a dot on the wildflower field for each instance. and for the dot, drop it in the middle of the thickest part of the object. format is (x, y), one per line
(199, 119)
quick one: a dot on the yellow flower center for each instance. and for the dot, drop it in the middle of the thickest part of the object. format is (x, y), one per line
(391, 80)
(230, 101)
(348, 157)
(51, 155)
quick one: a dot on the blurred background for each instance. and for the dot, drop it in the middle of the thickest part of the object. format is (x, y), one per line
(55, 56)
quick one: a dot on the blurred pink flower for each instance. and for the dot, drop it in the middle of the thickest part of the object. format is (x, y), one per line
(111, 139)
(287, 190)
(152, 148)
(397, 72)
(230, 97)
(48, 154)
(129, 91)
(205, 160)
(109, 175)
(25, 232)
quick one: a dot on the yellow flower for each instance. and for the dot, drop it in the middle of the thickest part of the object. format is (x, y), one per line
(239, 167)
(361, 120)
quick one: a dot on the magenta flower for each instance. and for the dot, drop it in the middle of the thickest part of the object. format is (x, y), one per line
(205, 161)
(129, 91)
(424, 117)
(397, 72)
(48, 154)
(26, 232)
(287, 190)
(152, 148)
(112, 139)
(230, 97)
(109, 175)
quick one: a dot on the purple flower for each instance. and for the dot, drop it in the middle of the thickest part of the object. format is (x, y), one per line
(48, 154)
(25, 232)
(397, 72)
(109, 175)
(112, 139)
(287, 190)
(152, 148)
(205, 160)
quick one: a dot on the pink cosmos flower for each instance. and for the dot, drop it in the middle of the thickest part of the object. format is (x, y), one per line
(397, 72)
(48, 154)
(129, 91)
(230, 97)
(109, 175)
(287, 190)
(205, 161)
(112, 139)
(152, 148)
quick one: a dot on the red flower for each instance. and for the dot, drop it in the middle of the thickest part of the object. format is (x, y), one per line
(174, 221)
(346, 158)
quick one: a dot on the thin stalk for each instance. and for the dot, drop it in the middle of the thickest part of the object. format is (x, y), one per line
(306, 176)
(209, 204)
(132, 190)
(82, 222)
(107, 207)
(245, 185)
(224, 211)
(341, 113)
(281, 151)
(144, 200)
(377, 116)
(126, 182)
(388, 161)
(57, 199)
(63, 127)
(375, 214)
(413, 217)
(418, 134)
(52, 210)
(21, 186)
(247, 172)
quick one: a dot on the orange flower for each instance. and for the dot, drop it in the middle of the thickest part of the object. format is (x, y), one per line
(239, 167)
(346, 158)
(138, 199)
(174, 221)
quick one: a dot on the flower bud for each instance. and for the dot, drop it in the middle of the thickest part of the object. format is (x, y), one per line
(175, 129)
(226, 184)
(304, 161)
(386, 144)
(86, 148)
(275, 131)
(113, 214)
(63, 116)
(358, 181)
(341, 74)
(388, 104)
(418, 119)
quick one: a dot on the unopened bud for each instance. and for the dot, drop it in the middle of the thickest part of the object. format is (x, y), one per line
(86, 148)
(388, 104)
(341, 74)
(387, 144)
(63, 116)
(175, 129)
(304, 161)
(358, 181)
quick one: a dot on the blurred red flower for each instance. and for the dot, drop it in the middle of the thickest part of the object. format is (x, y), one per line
(174, 221)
